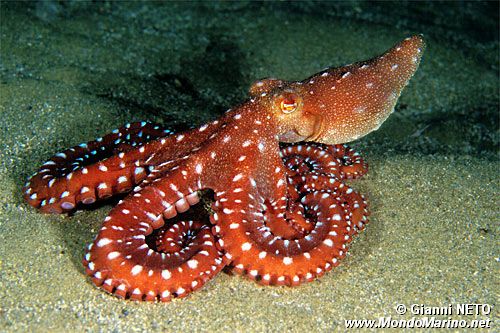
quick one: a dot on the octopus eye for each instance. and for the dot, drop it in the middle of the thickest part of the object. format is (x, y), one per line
(288, 105)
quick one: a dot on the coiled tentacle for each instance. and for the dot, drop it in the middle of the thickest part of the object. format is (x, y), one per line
(339, 161)
(352, 164)
(354, 203)
(179, 260)
(286, 250)
(314, 167)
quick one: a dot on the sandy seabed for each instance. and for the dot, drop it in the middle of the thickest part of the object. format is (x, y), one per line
(69, 74)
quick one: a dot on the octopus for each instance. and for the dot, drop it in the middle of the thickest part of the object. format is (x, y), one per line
(274, 169)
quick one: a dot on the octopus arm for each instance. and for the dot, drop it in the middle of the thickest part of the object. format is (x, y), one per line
(321, 217)
(258, 247)
(184, 258)
(286, 247)
(319, 167)
(94, 170)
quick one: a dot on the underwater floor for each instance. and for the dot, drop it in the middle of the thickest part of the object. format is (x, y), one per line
(73, 71)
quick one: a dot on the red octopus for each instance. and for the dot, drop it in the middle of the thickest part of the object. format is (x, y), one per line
(282, 215)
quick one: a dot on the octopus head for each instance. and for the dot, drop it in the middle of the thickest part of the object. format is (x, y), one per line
(342, 104)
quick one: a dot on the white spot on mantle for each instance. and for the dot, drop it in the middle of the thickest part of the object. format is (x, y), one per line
(198, 168)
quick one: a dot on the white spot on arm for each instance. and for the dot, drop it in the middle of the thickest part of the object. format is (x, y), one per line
(165, 274)
(113, 255)
(103, 242)
(246, 246)
(192, 263)
(136, 269)
(328, 242)
(252, 181)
